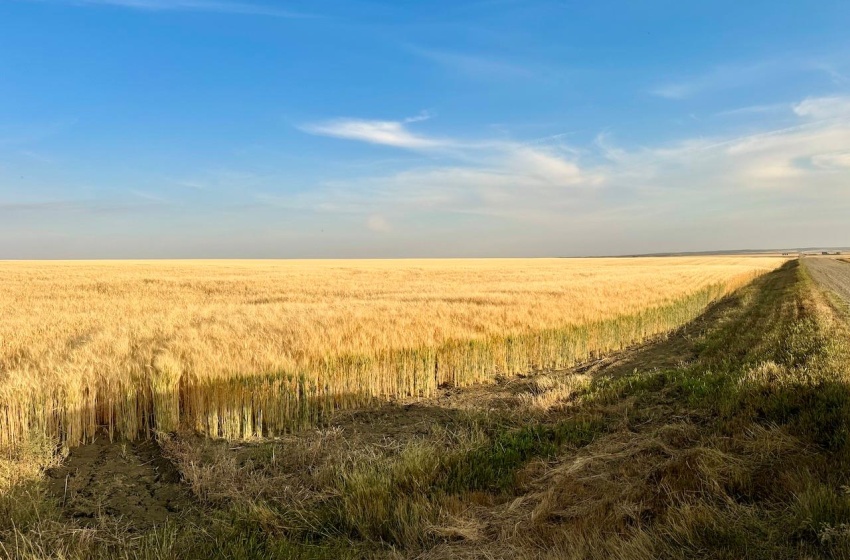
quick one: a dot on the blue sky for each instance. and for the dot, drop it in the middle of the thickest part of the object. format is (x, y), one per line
(244, 128)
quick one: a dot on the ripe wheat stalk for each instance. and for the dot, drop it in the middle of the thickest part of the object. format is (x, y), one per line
(240, 349)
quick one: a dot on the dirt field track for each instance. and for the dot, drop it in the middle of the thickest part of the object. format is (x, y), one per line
(831, 273)
(128, 481)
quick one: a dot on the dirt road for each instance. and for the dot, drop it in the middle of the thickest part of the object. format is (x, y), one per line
(831, 273)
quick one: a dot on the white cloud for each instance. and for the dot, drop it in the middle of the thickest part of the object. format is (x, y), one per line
(389, 133)
(505, 197)
(422, 116)
(490, 179)
(824, 107)
(559, 187)
(547, 167)
(787, 159)
(491, 162)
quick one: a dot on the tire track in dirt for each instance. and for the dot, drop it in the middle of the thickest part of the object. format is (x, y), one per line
(131, 482)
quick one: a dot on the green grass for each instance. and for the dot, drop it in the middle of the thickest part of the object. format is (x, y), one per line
(493, 466)
(778, 362)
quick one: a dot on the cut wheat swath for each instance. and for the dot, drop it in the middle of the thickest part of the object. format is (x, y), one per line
(240, 349)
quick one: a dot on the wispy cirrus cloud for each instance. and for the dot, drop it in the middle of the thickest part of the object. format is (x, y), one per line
(778, 181)
(558, 186)
(388, 133)
(824, 107)
(489, 177)
(216, 6)
(550, 163)
(538, 155)
(800, 160)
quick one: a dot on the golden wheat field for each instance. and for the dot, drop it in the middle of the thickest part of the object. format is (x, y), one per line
(239, 349)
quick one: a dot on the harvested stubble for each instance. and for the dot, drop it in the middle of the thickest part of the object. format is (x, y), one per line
(238, 349)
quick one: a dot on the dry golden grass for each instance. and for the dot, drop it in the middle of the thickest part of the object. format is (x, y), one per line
(247, 348)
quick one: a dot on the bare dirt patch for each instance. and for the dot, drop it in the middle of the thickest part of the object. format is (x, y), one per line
(833, 274)
(128, 481)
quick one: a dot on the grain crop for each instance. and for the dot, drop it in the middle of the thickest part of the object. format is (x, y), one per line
(241, 349)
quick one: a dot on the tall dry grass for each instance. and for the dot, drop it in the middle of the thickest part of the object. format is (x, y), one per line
(238, 349)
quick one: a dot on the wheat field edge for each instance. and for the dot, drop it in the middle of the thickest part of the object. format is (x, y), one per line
(242, 349)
